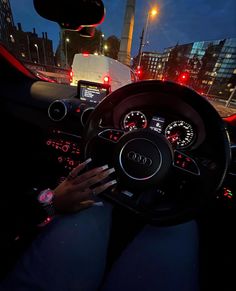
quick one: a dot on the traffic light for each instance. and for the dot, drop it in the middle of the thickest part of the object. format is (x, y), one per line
(183, 78)
(139, 71)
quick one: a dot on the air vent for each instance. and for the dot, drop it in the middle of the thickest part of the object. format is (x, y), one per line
(232, 170)
(85, 115)
(57, 110)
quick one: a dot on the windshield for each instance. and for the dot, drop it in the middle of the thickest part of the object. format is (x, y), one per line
(190, 42)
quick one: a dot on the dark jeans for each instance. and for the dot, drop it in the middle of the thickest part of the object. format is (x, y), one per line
(70, 254)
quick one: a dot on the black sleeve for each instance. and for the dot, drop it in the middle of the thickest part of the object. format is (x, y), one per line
(19, 216)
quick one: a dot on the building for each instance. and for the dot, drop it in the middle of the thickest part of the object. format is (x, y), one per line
(183, 59)
(28, 46)
(217, 76)
(150, 66)
(6, 22)
(207, 66)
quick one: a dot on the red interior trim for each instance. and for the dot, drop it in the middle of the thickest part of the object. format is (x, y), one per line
(14, 62)
(231, 119)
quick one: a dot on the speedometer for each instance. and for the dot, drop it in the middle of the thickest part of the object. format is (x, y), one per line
(179, 133)
(134, 120)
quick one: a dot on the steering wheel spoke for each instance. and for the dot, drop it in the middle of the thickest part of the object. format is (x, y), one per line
(110, 135)
(186, 163)
(104, 140)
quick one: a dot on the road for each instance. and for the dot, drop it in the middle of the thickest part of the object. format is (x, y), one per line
(224, 111)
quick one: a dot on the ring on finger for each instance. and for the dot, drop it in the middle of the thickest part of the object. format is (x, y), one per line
(71, 176)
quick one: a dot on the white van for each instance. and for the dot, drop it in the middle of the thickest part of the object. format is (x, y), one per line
(101, 69)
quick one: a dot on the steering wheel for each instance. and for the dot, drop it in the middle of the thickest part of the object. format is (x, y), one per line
(160, 183)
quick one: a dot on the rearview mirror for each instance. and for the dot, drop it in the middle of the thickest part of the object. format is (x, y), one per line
(87, 32)
(72, 14)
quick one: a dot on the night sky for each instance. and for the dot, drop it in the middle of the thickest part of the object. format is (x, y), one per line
(179, 21)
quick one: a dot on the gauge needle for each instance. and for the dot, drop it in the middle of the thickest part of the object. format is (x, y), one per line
(131, 124)
(174, 137)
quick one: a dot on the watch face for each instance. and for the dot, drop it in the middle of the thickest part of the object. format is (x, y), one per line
(45, 196)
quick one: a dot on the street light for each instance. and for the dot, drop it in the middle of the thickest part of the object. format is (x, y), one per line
(212, 82)
(37, 48)
(66, 42)
(151, 13)
(230, 97)
(105, 47)
(12, 38)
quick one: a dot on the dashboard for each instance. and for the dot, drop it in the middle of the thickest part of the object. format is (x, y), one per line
(182, 127)
(63, 139)
(180, 133)
(180, 124)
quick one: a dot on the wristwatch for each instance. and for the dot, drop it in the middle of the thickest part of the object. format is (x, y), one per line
(45, 198)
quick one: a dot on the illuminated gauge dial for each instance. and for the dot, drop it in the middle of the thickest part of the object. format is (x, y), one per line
(179, 133)
(134, 120)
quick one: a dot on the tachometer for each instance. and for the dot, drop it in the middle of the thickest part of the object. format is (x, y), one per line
(179, 133)
(134, 120)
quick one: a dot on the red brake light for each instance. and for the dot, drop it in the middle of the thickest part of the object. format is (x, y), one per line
(85, 55)
(71, 74)
(106, 80)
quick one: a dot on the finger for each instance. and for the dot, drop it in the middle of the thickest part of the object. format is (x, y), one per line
(79, 168)
(89, 174)
(80, 196)
(95, 179)
(84, 204)
(87, 202)
(103, 187)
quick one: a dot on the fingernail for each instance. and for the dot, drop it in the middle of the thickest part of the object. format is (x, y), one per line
(104, 167)
(112, 170)
(98, 204)
(87, 202)
(112, 182)
(87, 161)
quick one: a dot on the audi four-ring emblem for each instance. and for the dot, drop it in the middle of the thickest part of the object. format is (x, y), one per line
(139, 159)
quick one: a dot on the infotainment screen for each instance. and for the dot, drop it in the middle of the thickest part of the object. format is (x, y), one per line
(92, 92)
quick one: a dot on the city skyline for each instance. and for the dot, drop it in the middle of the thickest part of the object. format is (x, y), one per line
(177, 22)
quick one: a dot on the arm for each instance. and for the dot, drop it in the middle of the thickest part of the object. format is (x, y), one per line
(73, 194)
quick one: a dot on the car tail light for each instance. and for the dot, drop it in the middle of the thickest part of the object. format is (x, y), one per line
(85, 55)
(106, 80)
(71, 76)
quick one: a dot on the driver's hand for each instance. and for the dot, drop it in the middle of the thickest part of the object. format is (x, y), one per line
(77, 192)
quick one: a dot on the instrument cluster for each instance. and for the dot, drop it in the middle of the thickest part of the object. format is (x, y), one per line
(180, 132)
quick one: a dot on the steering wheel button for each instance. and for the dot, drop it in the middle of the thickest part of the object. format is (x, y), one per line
(127, 193)
(186, 163)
